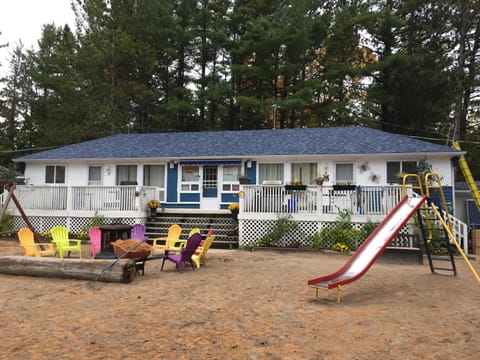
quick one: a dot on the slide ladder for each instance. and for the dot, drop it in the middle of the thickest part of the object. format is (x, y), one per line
(436, 227)
(467, 174)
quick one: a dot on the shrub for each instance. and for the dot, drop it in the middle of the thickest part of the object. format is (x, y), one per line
(282, 227)
(97, 220)
(7, 222)
(342, 236)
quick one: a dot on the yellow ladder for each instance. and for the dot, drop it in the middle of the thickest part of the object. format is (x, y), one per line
(432, 182)
(467, 174)
(413, 182)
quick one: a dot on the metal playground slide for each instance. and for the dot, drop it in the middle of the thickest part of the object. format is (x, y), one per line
(373, 246)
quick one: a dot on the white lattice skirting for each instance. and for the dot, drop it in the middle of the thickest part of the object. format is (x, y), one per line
(74, 224)
(252, 230)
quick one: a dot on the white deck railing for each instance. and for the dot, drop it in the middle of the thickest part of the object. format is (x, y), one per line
(373, 200)
(84, 198)
(366, 200)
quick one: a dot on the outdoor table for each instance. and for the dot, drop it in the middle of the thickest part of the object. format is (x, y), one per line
(140, 262)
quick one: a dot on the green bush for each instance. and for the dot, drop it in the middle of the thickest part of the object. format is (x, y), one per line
(342, 236)
(97, 220)
(6, 223)
(282, 227)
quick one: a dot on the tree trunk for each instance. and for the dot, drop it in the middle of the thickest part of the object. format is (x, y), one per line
(123, 271)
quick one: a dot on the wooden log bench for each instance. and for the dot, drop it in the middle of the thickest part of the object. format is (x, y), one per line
(122, 271)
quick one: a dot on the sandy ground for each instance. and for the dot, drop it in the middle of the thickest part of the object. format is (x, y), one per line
(243, 305)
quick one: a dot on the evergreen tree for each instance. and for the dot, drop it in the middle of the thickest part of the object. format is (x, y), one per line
(185, 65)
(12, 105)
(411, 88)
(56, 110)
(210, 68)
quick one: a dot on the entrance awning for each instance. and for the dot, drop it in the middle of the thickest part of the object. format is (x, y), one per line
(209, 162)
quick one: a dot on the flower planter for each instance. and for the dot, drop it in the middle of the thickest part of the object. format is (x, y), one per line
(295, 187)
(344, 187)
(235, 214)
(153, 212)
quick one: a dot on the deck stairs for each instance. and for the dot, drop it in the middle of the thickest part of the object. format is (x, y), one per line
(223, 226)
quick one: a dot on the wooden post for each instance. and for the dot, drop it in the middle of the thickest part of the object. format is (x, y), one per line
(11, 187)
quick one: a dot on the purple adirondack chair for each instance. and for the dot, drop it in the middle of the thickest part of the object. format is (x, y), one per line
(138, 232)
(184, 254)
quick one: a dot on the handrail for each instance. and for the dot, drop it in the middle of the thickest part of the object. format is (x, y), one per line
(454, 240)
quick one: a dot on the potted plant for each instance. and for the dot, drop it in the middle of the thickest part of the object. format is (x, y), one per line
(153, 205)
(321, 179)
(234, 209)
(243, 179)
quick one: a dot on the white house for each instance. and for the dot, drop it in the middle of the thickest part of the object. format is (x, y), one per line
(203, 171)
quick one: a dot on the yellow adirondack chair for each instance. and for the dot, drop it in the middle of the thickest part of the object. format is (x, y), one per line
(26, 238)
(181, 243)
(63, 243)
(173, 236)
(199, 256)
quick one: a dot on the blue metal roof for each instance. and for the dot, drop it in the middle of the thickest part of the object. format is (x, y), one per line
(243, 144)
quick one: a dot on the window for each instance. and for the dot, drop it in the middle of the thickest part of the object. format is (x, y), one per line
(269, 172)
(54, 174)
(154, 175)
(306, 172)
(396, 167)
(94, 175)
(230, 178)
(190, 173)
(231, 173)
(126, 173)
(190, 178)
(344, 173)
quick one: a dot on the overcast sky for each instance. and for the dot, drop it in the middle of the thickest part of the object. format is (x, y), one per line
(23, 19)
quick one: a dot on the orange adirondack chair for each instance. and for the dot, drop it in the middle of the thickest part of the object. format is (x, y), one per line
(26, 238)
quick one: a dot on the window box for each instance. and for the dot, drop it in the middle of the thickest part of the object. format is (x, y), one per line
(344, 187)
(295, 187)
